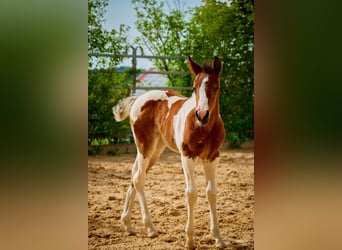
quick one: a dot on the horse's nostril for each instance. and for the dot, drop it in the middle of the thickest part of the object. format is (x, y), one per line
(205, 118)
(197, 116)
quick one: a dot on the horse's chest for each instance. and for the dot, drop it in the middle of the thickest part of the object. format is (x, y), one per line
(205, 146)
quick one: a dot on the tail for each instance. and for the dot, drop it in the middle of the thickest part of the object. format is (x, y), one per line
(122, 109)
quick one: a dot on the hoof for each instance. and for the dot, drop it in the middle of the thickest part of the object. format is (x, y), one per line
(129, 230)
(190, 244)
(220, 244)
(152, 233)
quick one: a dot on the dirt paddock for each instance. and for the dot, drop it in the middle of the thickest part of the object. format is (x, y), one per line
(109, 178)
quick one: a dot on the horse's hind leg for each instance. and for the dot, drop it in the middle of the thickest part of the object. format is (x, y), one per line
(139, 170)
(155, 157)
(139, 182)
(128, 206)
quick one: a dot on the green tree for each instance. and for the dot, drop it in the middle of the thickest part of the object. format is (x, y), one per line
(163, 32)
(102, 94)
(101, 40)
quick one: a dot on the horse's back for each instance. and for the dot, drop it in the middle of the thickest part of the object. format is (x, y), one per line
(151, 98)
(143, 100)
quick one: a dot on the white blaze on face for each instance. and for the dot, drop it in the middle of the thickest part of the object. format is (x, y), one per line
(203, 99)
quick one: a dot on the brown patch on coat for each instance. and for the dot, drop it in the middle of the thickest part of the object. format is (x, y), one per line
(171, 92)
(144, 129)
(203, 141)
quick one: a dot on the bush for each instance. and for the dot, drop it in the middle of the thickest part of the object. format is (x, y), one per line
(102, 97)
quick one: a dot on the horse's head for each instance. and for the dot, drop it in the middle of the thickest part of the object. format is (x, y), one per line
(206, 88)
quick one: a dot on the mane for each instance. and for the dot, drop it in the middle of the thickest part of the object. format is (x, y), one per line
(208, 68)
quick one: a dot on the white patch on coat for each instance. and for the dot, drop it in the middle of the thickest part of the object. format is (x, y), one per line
(203, 99)
(174, 99)
(171, 101)
(179, 121)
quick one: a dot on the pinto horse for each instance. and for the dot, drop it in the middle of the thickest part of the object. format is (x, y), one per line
(190, 126)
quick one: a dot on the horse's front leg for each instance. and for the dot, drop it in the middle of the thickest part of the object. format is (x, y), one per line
(210, 177)
(191, 198)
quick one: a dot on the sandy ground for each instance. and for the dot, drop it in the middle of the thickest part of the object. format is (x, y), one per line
(109, 178)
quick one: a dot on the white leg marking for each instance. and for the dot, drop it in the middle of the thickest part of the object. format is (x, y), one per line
(191, 198)
(210, 177)
(139, 182)
(128, 206)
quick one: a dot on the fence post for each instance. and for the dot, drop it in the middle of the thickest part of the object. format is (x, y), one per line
(134, 65)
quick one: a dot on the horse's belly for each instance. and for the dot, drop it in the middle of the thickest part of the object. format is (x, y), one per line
(170, 143)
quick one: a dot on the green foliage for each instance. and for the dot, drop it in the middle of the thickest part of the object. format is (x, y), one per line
(163, 32)
(102, 97)
(95, 151)
(113, 152)
(101, 40)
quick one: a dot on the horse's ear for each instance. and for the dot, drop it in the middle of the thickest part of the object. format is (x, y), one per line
(194, 67)
(217, 65)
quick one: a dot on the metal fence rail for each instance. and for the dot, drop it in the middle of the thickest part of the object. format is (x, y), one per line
(136, 56)
(156, 87)
(134, 70)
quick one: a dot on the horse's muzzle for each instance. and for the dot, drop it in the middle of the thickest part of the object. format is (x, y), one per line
(202, 116)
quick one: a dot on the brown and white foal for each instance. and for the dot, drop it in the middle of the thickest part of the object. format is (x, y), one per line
(191, 126)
